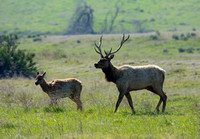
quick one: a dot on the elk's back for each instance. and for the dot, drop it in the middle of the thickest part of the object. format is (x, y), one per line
(65, 87)
(140, 77)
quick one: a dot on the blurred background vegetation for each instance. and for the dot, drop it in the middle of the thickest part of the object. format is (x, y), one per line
(93, 17)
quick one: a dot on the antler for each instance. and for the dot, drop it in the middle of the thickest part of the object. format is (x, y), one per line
(110, 52)
(122, 42)
(99, 47)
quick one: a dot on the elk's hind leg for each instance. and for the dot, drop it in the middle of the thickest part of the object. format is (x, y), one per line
(128, 96)
(78, 102)
(163, 98)
(158, 105)
(160, 101)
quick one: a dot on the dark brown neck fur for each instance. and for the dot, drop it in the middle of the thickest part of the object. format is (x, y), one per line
(111, 73)
(45, 86)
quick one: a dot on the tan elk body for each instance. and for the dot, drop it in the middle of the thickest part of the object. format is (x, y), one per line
(140, 77)
(61, 88)
(130, 78)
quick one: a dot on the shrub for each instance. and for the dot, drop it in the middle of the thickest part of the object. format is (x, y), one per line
(37, 39)
(78, 41)
(175, 37)
(181, 50)
(190, 50)
(188, 35)
(29, 36)
(157, 33)
(183, 37)
(193, 34)
(141, 10)
(152, 19)
(198, 49)
(165, 50)
(194, 29)
(153, 37)
(14, 61)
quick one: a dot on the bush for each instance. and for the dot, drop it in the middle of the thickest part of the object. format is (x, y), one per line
(153, 37)
(193, 34)
(78, 41)
(37, 39)
(181, 50)
(198, 49)
(190, 50)
(175, 37)
(194, 29)
(188, 35)
(183, 37)
(157, 33)
(165, 50)
(14, 61)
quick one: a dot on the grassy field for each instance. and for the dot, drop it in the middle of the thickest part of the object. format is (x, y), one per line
(25, 110)
(53, 17)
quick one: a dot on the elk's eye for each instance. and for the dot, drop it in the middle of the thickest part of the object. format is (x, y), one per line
(40, 78)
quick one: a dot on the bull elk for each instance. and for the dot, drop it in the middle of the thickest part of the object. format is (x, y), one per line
(131, 78)
(61, 88)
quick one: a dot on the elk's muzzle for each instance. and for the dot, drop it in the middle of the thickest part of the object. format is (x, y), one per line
(96, 65)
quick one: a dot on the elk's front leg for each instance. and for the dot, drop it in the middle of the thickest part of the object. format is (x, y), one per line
(53, 101)
(121, 95)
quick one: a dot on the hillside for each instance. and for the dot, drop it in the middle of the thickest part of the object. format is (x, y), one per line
(53, 17)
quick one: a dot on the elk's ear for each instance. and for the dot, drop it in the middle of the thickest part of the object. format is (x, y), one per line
(44, 74)
(38, 73)
(111, 57)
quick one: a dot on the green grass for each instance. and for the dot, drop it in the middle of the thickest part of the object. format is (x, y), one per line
(53, 17)
(25, 110)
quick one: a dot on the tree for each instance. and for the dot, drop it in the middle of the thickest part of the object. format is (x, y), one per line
(82, 20)
(108, 25)
(14, 61)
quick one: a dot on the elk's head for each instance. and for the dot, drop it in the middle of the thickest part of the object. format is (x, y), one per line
(105, 60)
(39, 78)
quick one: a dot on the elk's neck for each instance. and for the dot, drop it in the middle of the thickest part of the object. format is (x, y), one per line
(111, 73)
(45, 86)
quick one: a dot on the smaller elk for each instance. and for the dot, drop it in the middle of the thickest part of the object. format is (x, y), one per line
(131, 78)
(61, 88)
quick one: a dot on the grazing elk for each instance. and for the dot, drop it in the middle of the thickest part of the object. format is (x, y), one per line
(130, 78)
(60, 88)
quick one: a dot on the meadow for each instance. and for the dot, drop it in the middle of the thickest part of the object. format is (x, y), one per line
(25, 110)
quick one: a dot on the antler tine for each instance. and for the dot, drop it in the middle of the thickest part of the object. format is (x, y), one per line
(107, 54)
(99, 47)
(96, 50)
(122, 42)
